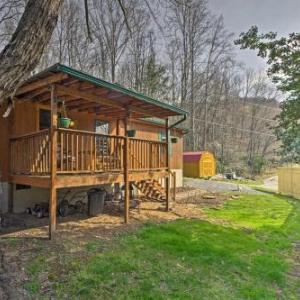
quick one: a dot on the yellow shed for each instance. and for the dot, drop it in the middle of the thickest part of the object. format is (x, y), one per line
(199, 164)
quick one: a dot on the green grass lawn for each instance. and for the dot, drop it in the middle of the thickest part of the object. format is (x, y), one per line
(243, 251)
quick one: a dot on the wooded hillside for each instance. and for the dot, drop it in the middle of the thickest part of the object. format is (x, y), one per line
(177, 51)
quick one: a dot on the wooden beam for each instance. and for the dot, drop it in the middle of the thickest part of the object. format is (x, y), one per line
(114, 95)
(88, 179)
(149, 123)
(37, 181)
(87, 106)
(102, 92)
(115, 115)
(85, 95)
(106, 109)
(46, 97)
(71, 81)
(39, 83)
(85, 86)
(76, 104)
(53, 163)
(69, 99)
(80, 85)
(10, 160)
(168, 166)
(33, 95)
(97, 98)
(126, 181)
(118, 127)
(142, 175)
(75, 180)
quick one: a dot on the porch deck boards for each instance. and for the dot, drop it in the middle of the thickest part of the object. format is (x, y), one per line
(74, 180)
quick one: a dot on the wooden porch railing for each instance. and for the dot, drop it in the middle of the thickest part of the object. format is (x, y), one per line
(84, 152)
(30, 153)
(146, 155)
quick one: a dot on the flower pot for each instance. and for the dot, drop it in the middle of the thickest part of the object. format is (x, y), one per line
(64, 122)
(72, 124)
(131, 133)
(174, 140)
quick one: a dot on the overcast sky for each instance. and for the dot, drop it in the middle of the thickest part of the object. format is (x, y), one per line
(282, 16)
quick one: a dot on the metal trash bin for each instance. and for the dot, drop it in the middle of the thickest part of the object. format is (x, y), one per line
(96, 198)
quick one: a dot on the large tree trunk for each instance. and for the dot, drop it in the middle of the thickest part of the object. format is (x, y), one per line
(23, 52)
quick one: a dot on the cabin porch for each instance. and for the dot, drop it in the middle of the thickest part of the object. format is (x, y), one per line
(56, 158)
(84, 157)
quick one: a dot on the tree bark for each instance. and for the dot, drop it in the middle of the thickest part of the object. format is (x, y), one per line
(22, 54)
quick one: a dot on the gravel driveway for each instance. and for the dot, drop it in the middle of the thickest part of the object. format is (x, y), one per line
(218, 186)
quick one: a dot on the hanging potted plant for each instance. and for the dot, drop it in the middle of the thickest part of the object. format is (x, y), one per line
(64, 121)
(131, 133)
(174, 140)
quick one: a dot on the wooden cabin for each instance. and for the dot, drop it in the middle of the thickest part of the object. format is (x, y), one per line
(38, 158)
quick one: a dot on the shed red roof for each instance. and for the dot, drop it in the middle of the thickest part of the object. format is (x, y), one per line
(192, 156)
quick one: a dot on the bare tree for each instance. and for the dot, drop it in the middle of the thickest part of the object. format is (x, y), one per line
(183, 57)
(22, 54)
(188, 24)
(218, 49)
(138, 47)
(109, 27)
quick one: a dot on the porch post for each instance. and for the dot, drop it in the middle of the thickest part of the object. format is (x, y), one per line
(118, 127)
(126, 161)
(10, 207)
(117, 185)
(168, 166)
(11, 185)
(53, 163)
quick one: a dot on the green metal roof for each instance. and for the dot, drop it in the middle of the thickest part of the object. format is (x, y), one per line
(112, 86)
(160, 122)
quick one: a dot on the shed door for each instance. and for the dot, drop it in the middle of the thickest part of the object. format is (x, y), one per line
(207, 167)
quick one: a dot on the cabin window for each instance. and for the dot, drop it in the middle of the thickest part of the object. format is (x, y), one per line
(44, 119)
(162, 138)
(102, 142)
(101, 127)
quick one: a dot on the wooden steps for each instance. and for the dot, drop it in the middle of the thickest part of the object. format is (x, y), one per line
(151, 189)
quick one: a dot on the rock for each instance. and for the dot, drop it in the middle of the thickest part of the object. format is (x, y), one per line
(208, 197)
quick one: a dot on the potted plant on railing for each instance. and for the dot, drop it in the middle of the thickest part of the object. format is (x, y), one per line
(64, 121)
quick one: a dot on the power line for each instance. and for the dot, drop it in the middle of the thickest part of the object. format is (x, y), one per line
(243, 114)
(237, 128)
(249, 105)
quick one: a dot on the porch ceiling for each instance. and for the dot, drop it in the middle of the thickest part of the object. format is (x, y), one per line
(86, 93)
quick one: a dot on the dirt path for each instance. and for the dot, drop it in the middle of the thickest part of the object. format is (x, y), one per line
(218, 186)
(12, 274)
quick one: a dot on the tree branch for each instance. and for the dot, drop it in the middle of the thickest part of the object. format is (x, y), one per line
(87, 22)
